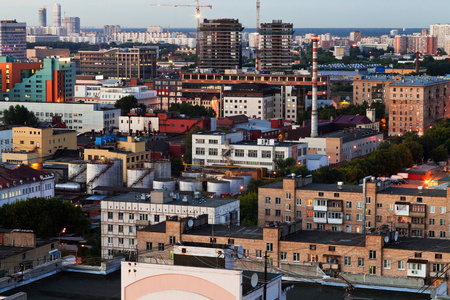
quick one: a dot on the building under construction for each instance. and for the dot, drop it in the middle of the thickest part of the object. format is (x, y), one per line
(220, 44)
(276, 46)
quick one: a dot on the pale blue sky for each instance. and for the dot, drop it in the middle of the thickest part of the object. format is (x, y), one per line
(311, 13)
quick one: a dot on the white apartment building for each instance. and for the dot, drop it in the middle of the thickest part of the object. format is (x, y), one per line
(122, 215)
(220, 148)
(154, 37)
(105, 94)
(259, 101)
(77, 116)
(140, 123)
(23, 183)
(6, 140)
(442, 33)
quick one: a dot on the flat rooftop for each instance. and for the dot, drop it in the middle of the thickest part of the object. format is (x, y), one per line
(243, 232)
(328, 238)
(420, 244)
(202, 202)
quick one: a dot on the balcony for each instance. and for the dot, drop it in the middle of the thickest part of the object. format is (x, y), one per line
(330, 266)
(335, 208)
(320, 219)
(417, 226)
(335, 221)
(142, 223)
(320, 204)
(402, 225)
(417, 214)
(335, 205)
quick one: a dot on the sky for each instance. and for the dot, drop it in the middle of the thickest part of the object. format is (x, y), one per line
(302, 13)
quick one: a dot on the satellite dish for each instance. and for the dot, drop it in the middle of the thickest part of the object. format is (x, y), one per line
(396, 236)
(190, 223)
(254, 279)
(240, 252)
(386, 239)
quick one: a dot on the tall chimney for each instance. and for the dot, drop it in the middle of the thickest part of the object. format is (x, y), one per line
(314, 113)
(417, 62)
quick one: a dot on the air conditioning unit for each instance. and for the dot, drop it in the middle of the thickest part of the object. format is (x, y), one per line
(413, 271)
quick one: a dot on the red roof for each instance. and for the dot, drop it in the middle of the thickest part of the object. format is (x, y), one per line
(349, 119)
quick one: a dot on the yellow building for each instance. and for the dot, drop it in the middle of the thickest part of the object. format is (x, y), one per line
(132, 153)
(34, 145)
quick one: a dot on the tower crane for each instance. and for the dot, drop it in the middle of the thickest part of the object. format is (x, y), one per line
(197, 16)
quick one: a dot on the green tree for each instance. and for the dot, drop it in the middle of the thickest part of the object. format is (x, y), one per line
(19, 115)
(249, 208)
(192, 110)
(176, 165)
(327, 174)
(439, 154)
(187, 143)
(127, 103)
(47, 217)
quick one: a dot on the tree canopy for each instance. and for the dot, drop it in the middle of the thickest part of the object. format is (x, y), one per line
(47, 217)
(19, 115)
(192, 110)
(127, 103)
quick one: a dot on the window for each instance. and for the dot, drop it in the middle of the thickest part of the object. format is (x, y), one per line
(358, 217)
(379, 205)
(131, 242)
(442, 234)
(331, 248)
(239, 152)
(120, 228)
(431, 221)
(267, 200)
(258, 253)
(110, 227)
(269, 247)
(443, 210)
(347, 261)
(110, 215)
(252, 153)
(172, 240)
(299, 213)
(432, 209)
(298, 202)
(359, 205)
(130, 216)
(372, 254)
(143, 217)
(131, 229)
(348, 204)
(386, 264)
(283, 256)
(212, 240)
(156, 217)
(287, 218)
(348, 228)
(200, 151)
(378, 218)
(213, 151)
(313, 257)
(288, 207)
(431, 233)
(277, 212)
(149, 246)
(309, 202)
(336, 195)
(288, 196)
(360, 262)
(277, 200)
(120, 216)
(266, 154)
(400, 265)
(309, 214)
(320, 194)
(161, 247)
(417, 254)
(110, 240)
(296, 257)
(267, 212)
(372, 270)
(438, 256)
(312, 247)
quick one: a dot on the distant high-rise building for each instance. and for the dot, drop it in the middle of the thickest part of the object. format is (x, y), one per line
(276, 46)
(43, 17)
(393, 32)
(57, 15)
(72, 24)
(415, 43)
(109, 30)
(156, 29)
(220, 47)
(441, 32)
(355, 36)
(13, 39)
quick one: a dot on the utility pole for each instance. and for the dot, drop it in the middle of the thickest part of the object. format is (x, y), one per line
(265, 275)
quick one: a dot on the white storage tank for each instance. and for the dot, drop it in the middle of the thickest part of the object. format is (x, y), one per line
(162, 168)
(140, 178)
(68, 187)
(247, 177)
(191, 174)
(167, 184)
(219, 187)
(235, 184)
(190, 185)
(104, 173)
(77, 171)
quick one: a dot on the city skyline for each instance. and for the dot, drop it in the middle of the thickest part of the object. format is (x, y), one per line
(309, 14)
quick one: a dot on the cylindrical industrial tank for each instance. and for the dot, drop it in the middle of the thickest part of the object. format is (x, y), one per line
(247, 178)
(161, 168)
(68, 187)
(107, 173)
(218, 187)
(140, 178)
(190, 185)
(235, 184)
(77, 171)
(214, 175)
(167, 184)
(191, 174)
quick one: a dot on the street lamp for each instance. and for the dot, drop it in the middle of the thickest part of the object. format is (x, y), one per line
(59, 237)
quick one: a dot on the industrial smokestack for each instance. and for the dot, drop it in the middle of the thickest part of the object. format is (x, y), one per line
(314, 113)
(417, 62)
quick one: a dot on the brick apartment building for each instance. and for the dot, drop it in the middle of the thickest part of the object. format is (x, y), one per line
(415, 103)
(340, 208)
(372, 88)
(367, 258)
